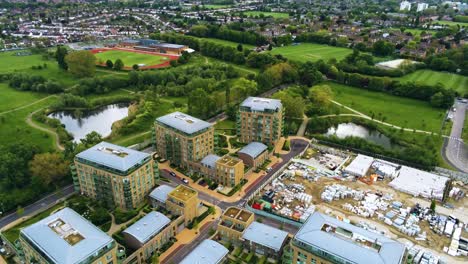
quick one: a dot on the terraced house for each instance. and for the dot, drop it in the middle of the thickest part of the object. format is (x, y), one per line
(113, 174)
(234, 222)
(67, 237)
(260, 119)
(183, 139)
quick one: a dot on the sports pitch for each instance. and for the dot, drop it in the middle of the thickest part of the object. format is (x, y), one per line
(312, 52)
(130, 58)
(453, 81)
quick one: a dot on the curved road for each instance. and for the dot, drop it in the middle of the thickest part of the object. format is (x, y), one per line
(455, 151)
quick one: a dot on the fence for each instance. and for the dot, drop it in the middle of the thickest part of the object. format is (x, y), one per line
(454, 175)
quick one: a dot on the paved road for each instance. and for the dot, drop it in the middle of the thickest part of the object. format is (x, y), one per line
(40, 204)
(456, 152)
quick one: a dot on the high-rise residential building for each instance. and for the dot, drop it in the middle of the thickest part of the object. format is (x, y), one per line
(183, 200)
(67, 237)
(405, 5)
(260, 119)
(229, 171)
(113, 174)
(183, 139)
(324, 239)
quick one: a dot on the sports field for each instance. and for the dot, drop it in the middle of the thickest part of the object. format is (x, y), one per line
(227, 43)
(312, 52)
(217, 6)
(400, 111)
(267, 14)
(130, 58)
(453, 81)
(451, 23)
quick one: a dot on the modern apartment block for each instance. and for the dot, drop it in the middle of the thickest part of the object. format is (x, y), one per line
(254, 154)
(324, 239)
(184, 201)
(234, 222)
(229, 171)
(183, 139)
(113, 174)
(260, 119)
(207, 252)
(66, 237)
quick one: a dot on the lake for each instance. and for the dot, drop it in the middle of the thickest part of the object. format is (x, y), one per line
(344, 130)
(81, 123)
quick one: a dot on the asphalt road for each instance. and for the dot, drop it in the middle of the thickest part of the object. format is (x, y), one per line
(456, 151)
(40, 204)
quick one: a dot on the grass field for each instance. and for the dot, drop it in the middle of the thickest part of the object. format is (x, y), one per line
(12, 98)
(217, 6)
(312, 52)
(451, 23)
(228, 43)
(403, 112)
(130, 58)
(449, 80)
(267, 14)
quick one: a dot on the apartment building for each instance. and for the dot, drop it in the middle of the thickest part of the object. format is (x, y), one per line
(324, 239)
(66, 237)
(254, 154)
(207, 252)
(260, 119)
(184, 201)
(113, 174)
(264, 240)
(229, 171)
(234, 222)
(183, 139)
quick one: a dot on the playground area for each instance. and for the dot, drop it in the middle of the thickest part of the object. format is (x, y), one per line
(144, 59)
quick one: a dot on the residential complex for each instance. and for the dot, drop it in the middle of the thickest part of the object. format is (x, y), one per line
(207, 252)
(183, 139)
(115, 175)
(324, 239)
(234, 221)
(67, 237)
(260, 119)
(254, 154)
(264, 240)
(184, 201)
(229, 171)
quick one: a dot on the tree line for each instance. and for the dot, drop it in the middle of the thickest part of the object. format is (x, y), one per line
(223, 32)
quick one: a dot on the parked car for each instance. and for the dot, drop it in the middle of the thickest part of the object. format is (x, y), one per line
(185, 181)
(172, 174)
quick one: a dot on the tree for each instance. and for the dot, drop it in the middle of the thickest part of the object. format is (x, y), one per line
(240, 47)
(19, 211)
(109, 64)
(195, 225)
(320, 96)
(294, 105)
(383, 48)
(118, 65)
(48, 167)
(433, 205)
(60, 55)
(81, 63)
(155, 258)
(135, 67)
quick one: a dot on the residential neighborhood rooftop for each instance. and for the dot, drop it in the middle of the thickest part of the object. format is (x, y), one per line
(183, 193)
(210, 160)
(261, 104)
(66, 237)
(113, 156)
(229, 160)
(265, 235)
(207, 252)
(183, 122)
(148, 226)
(160, 193)
(253, 149)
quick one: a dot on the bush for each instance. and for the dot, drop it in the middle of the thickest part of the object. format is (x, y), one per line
(286, 145)
(124, 216)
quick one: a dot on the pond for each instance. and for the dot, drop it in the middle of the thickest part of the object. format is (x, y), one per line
(81, 123)
(344, 130)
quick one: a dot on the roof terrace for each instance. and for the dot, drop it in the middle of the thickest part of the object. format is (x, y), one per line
(229, 161)
(183, 193)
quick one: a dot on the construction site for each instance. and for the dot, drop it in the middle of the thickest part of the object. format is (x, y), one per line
(413, 206)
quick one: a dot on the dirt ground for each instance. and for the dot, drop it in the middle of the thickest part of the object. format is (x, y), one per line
(434, 241)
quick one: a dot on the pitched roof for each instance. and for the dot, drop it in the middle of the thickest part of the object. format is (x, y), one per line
(160, 193)
(318, 231)
(253, 149)
(208, 252)
(261, 104)
(50, 235)
(183, 122)
(265, 235)
(148, 226)
(113, 156)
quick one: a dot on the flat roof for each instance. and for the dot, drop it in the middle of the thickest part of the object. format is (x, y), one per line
(262, 104)
(160, 193)
(168, 45)
(253, 149)
(148, 226)
(265, 235)
(183, 192)
(210, 160)
(419, 182)
(229, 160)
(347, 241)
(208, 252)
(360, 165)
(113, 156)
(66, 237)
(183, 122)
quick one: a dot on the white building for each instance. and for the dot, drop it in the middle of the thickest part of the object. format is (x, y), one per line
(405, 5)
(422, 6)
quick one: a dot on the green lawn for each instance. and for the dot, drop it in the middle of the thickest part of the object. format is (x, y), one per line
(312, 52)
(225, 124)
(400, 111)
(130, 58)
(451, 23)
(267, 14)
(217, 6)
(11, 98)
(449, 80)
(465, 130)
(228, 43)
